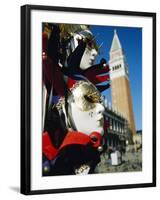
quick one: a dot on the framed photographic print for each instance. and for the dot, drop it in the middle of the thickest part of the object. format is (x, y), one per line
(88, 99)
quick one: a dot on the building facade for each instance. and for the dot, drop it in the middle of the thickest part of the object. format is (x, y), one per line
(118, 134)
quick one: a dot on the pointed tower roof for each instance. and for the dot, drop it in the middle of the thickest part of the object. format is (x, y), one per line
(115, 42)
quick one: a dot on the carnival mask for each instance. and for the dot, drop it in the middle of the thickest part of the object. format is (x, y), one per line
(91, 50)
(85, 108)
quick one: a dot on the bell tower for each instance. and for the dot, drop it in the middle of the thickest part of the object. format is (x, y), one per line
(120, 86)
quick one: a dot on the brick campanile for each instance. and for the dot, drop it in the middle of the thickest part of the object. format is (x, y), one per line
(120, 86)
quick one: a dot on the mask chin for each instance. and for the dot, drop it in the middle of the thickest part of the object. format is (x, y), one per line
(84, 67)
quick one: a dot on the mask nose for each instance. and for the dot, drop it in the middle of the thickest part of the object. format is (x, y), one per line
(94, 52)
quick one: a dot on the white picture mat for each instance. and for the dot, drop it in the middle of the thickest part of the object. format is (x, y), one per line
(42, 183)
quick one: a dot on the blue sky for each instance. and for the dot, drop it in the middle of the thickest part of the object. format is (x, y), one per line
(131, 41)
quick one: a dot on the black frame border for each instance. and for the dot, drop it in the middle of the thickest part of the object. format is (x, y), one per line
(25, 182)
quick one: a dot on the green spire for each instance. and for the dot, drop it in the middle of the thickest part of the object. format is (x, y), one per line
(115, 42)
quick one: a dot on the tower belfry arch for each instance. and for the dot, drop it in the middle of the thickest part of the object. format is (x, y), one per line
(120, 85)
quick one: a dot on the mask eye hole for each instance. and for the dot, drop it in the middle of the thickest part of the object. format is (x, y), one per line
(90, 44)
(89, 98)
(79, 40)
(93, 98)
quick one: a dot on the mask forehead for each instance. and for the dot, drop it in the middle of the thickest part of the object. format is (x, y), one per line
(88, 37)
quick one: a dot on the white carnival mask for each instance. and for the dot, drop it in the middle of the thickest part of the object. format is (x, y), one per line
(86, 108)
(90, 53)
